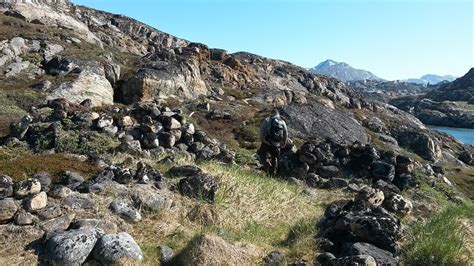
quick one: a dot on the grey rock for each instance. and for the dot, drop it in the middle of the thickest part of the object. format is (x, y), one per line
(78, 201)
(71, 180)
(71, 247)
(8, 208)
(382, 257)
(57, 224)
(274, 258)
(23, 218)
(325, 258)
(166, 254)
(201, 187)
(358, 260)
(117, 248)
(317, 122)
(398, 204)
(329, 171)
(26, 188)
(370, 197)
(125, 210)
(384, 171)
(44, 179)
(166, 139)
(185, 170)
(107, 226)
(149, 198)
(59, 192)
(6, 186)
(51, 211)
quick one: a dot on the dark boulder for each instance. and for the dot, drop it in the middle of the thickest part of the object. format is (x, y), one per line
(117, 249)
(201, 187)
(382, 257)
(383, 171)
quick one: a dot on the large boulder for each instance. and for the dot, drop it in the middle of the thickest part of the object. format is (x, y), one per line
(116, 249)
(317, 123)
(71, 247)
(162, 80)
(91, 84)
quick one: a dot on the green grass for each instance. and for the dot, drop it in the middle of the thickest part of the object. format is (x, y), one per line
(269, 213)
(441, 240)
(465, 105)
(463, 177)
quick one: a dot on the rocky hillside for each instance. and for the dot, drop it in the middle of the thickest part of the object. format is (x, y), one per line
(342, 71)
(450, 105)
(462, 89)
(431, 79)
(121, 144)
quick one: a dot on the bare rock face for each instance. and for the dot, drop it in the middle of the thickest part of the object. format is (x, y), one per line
(163, 80)
(316, 122)
(50, 12)
(91, 84)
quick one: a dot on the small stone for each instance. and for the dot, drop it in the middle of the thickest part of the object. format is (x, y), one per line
(24, 218)
(184, 170)
(78, 201)
(166, 254)
(57, 224)
(44, 179)
(104, 121)
(59, 192)
(371, 197)
(125, 210)
(108, 227)
(117, 248)
(37, 202)
(8, 208)
(166, 139)
(274, 258)
(201, 187)
(26, 188)
(6, 186)
(71, 180)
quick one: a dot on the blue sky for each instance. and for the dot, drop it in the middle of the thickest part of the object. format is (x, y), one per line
(395, 39)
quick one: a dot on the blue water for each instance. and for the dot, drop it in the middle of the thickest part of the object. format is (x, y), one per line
(465, 135)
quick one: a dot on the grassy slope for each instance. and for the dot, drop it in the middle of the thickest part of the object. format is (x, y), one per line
(270, 214)
(443, 240)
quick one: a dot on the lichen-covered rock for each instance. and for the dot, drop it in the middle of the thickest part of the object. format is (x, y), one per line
(316, 122)
(6, 187)
(151, 199)
(8, 208)
(398, 204)
(125, 210)
(118, 248)
(26, 188)
(382, 257)
(71, 247)
(201, 187)
(371, 197)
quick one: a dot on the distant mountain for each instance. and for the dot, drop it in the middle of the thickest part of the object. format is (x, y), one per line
(432, 79)
(342, 71)
(461, 89)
